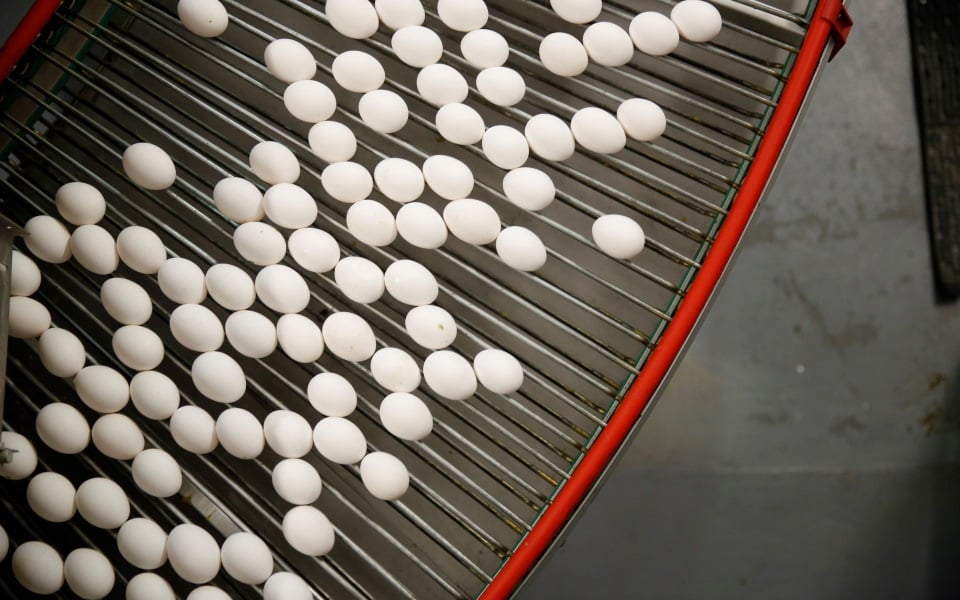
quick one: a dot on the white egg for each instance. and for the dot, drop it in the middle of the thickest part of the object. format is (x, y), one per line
(287, 433)
(300, 338)
(642, 119)
(395, 370)
(521, 249)
(61, 352)
(484, 48)
(577, 11)
(359, 279)
(399, 179)
(372, 223)
(431, 327)
(154, 395)
(284, 585)
(397, 14)
(127, 302)
(597, 130)
(102, 503)
(309, 100)
(52, 497)
(37, 567)
(246, 558)
(142, 543)
(449, 375)
(349, 336)
(259, 243)
(149, 586)
(529, 188)
(505, 147)
(238, 199)
(411, 283)
(332, 141)
(289, 60)
(355, 19)
(24, 456)
(102, 388)
(4, 543)
(384, 476)
(449, 177)
(330, 394)
(619, 236)
(240, 433)
(549, 137)
(138, 347)
(182, 281)
(608, 44)
(63, 428)
(196, 327)
(563, 54)
(696, 20)
(80, 203)
(339, 440)
(274, 163)
(421, 226)
(347, 181)
(28, 318)
(218, 377)
(149, 166)
(208, 592)
(282, 289)
(95, 249)
(313, 249)
(48, 239)
(141, 249)
(460, 124)
(472, 221)
(498, 371)
(406, 416)
(117, 436)
(206, 18)
(157, 473)
(441, 84)
(308, 531)
(653, 33)
(417, 46)
(502, 86)
(193, 553)
(25, 274)
(383, 111)
(88, 573)
(357, 71)
(463, 15)
(251, 334)
(296, 481)
(194, 430)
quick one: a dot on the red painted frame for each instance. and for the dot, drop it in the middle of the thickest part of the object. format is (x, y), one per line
(26, 32)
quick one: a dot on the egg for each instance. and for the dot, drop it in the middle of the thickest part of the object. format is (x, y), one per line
(399, 179)
(141, 249)
(441, 84)
(502, 86)
(240, 433)
(406, 416)
(308, 531)
(149, 586)
(102, 388)
(349, 337)
(259, 243)
(206, 18)
(431, 327)
(642, 119)
(300, 338)
(619, 236)
(282, 289)
(274, 163)
(80, 203)
(384, 476)
(417, 46)
(521, 249)
(608, 44)
(347, 181)
(193, 553)
(484, 48)
(313, 249)
(48, 239)
(421, 226)
(410, 282)
(339, 440)
(296, 481)
(371, 223)
(149, 166)
(498, 371)
(330, 394)
(37, 567)
(355, 19)
(182, 281)
(117, 436)
(61, 352)
(577, 11)
(208, 592)
(4, 543)
(102, 503)
(142, 543)
(95, 249)
(126, 301)
(246, 557)
(138, 347)
(287, 586)
(23, 461)
(359, 279)
(397, 14)
(218, 377)
(157, 473)
(460, 124)
(196, 327)
(154, 395)
(529, 188)
(238, 199)
(52, 497)
(88, 573)
(505, 147)
(289, 60)
(28, 318)
(194, 430)
(449, 375)
(472, 221)
(653, 33)
(309, 100)
(448, 177)
(696, 20)
(549, 137)
(332, 141)
(395, 370)
(563, 54)
(287, 433)
(597, 130)
(383, 111)
(251, 334)
(25, 274)
(357, 71)
(463, 15)
(63, 428)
